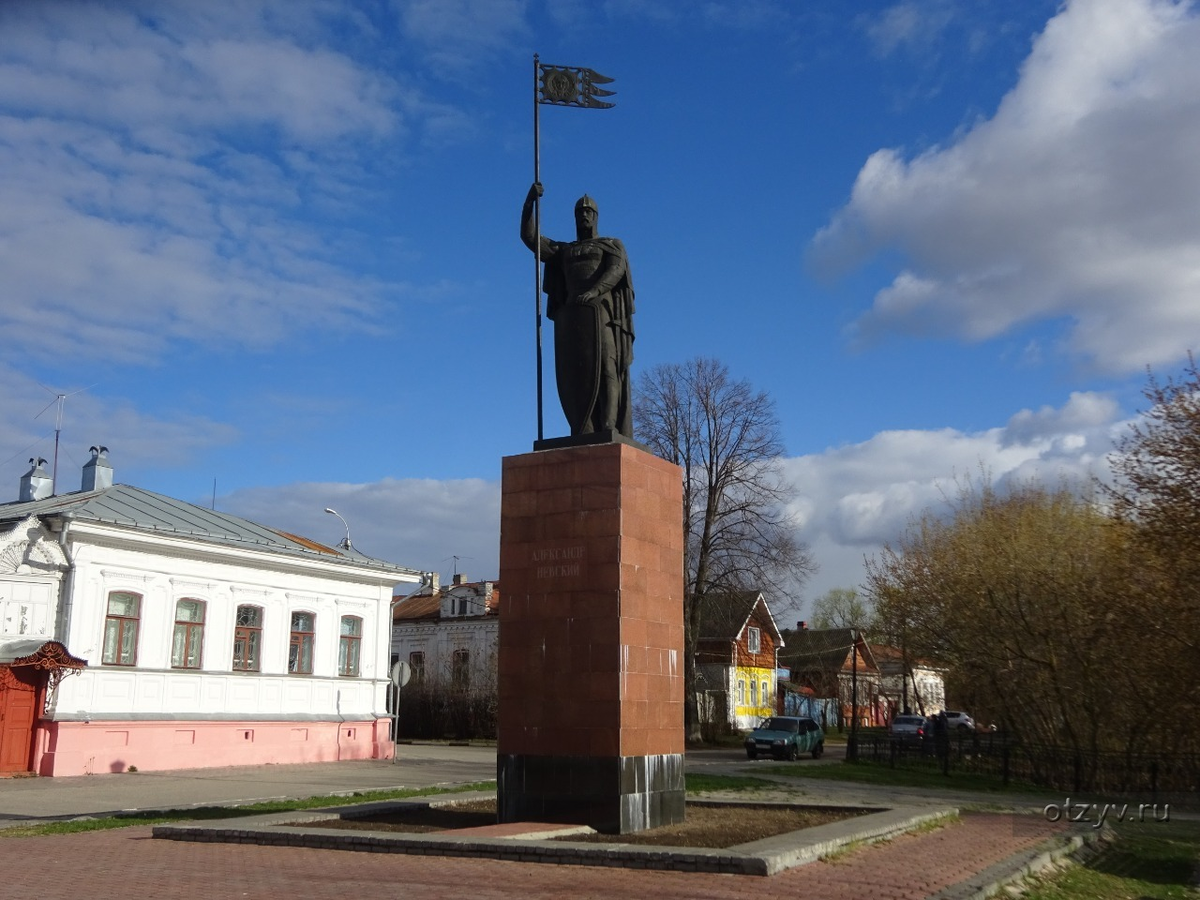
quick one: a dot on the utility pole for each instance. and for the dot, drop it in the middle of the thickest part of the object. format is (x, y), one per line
(852, 743)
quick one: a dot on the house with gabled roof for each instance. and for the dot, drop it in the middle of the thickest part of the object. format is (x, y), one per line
(736, 657)
(140, 631)
(837, 664)
(909, 685)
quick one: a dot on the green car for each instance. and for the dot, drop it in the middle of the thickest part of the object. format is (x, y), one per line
(786, 737)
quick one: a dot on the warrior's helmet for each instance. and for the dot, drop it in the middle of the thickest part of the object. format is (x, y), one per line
(586, 202)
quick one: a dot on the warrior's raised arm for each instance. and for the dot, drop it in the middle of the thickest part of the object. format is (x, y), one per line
(529, 230)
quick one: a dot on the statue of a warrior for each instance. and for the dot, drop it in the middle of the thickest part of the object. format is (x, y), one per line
(589, 297)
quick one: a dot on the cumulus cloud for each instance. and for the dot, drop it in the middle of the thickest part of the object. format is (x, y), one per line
(1073, 202)
(854, 499)
(420, 523)
(850, 501)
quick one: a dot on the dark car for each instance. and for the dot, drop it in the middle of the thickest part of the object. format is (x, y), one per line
(908, 729)
(786, 737)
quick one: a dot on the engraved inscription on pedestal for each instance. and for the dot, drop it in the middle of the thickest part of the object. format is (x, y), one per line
(558, 564)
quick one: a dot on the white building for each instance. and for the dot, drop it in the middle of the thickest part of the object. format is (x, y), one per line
(141, 631)
(449, 635)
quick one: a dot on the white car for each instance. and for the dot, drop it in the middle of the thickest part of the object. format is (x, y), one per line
(959, 720)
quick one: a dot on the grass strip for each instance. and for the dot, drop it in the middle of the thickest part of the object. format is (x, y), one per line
(882, 774)
(695, 784)
(699, 783)
(1149, 861)
(161, 816)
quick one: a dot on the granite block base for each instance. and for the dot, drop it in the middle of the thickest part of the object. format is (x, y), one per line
(616, 795)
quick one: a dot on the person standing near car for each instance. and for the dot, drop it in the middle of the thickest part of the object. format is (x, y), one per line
(941, 736)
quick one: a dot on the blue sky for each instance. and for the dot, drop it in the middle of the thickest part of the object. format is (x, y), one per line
(274, 245)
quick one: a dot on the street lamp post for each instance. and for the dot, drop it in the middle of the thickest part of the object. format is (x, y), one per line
(345, 544)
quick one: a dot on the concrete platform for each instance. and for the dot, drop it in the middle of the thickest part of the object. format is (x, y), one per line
(527, 842)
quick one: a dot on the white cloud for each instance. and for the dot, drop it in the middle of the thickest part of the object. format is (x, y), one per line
(910, 25)
(420, 523)
(1084, 412)
(851, 500)
(463, 35)
(136, 440)
(174, 172)
(1074, 201)
(854, 499)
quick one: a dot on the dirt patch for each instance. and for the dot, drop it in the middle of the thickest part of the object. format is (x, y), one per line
(420, 819)
(705, 826)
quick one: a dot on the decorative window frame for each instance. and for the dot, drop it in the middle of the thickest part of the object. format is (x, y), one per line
(416, 661)
(460, 668)
(754, 639)
(249, 631)
(301, 664)
(189, 626)
(350, 648)
(117, 655)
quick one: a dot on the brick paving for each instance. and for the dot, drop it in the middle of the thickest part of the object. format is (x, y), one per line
(116, 865)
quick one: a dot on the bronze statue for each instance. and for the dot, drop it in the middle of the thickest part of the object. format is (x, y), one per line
(589, 297)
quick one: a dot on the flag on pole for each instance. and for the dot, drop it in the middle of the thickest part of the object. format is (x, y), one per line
(572, 86)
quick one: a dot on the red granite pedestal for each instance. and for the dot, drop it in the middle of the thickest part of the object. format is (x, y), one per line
(591, 639)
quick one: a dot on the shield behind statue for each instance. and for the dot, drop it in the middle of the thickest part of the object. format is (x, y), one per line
(577, 362)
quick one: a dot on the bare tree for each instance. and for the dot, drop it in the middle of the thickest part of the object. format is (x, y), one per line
(737, 533)
(843, 608)
(1157, 469)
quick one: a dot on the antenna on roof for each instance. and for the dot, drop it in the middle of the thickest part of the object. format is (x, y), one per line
(60, 399)
(456, 559)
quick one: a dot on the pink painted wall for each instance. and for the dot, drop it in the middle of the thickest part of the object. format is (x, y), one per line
(93, 748)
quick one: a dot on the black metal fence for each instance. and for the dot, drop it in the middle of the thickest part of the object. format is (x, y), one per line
(1062, 768)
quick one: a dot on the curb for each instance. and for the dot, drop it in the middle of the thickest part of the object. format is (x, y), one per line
(763, 857)
(1077, 847)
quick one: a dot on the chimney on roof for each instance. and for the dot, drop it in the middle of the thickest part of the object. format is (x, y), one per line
(802, 625)
(97, 471)
(433, 580)
(459, 578)
(36, 484)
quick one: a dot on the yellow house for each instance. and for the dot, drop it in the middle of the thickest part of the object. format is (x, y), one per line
(736, 657)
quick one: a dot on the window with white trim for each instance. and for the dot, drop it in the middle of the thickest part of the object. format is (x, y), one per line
(753, 640)
(121, 629)
(247, 639)
(349, 645)
(187, 641)
(300, 648)
(460, 669)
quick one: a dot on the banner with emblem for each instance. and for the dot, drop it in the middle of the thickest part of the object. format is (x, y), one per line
(556, 86)
(572, 86)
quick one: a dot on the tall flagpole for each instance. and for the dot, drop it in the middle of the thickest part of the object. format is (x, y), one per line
(537, 224)
(563, 86)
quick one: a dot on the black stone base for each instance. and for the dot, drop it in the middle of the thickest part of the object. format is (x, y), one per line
(613, 794)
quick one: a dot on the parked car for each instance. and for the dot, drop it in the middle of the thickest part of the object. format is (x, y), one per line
(786, 737)
(908, 729)
(960, 721)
